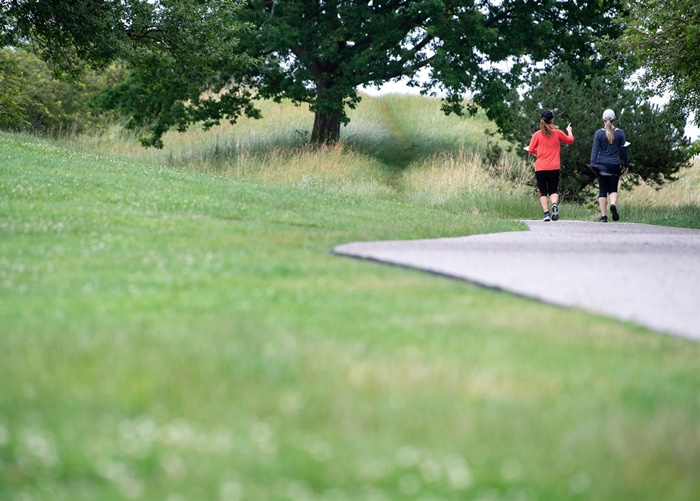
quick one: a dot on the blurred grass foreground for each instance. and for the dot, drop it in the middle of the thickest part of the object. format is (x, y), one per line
(173, 327)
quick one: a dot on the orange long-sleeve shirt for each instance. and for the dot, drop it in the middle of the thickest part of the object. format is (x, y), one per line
(547, 149)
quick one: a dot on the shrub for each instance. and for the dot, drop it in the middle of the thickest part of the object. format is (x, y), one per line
(32, 100)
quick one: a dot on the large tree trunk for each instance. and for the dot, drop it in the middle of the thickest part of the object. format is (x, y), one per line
(326, 128)
(328, 116)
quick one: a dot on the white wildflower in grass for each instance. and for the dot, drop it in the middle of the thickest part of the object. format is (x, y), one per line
(178, 434)
(137, 436)
(458, 473)
(431, 470)
(173, 466)
(37, 446)
(122, 476)
(319, 449)
(262, 435)
(407, 456)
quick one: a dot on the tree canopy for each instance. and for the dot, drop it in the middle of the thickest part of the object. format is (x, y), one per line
(67, 33)
(181, 54)
(321, 52)
(664, 37)
(207, 60)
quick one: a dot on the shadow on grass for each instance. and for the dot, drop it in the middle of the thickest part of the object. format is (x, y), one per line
(410, 139)
(395, 137)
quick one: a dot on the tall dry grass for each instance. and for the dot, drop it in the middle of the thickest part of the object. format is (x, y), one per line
(683, 192)
(333, 169)
(464, 181)
(394, 146)
(282, 125)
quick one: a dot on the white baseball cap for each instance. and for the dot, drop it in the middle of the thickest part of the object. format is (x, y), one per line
(608, 115)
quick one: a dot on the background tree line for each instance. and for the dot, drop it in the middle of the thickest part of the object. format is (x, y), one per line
(33, 100)
(203, 61)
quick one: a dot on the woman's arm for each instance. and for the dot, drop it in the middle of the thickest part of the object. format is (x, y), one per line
(533, 145)
(566, 138)
(595, 148)
(623, 150)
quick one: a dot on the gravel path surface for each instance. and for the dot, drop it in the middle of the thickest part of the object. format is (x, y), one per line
(646, 274)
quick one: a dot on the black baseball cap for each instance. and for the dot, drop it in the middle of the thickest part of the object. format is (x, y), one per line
(547, 116)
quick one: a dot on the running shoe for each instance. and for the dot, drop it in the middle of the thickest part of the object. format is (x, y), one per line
(555, 212)
(546, 217)
(615, 214)
(603, 219)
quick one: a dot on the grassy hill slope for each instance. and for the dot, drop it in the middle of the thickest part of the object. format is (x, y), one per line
(174, 327)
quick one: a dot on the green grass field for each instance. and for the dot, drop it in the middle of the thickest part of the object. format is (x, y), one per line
(174, 327)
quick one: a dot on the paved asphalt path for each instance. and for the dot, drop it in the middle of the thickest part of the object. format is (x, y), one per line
(641, 273)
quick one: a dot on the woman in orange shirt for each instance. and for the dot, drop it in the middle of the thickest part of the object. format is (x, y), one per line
(545, 145)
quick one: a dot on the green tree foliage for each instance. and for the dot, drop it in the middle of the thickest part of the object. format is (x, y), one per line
(664, 35)
(186, 68)
(315, 52)
(182, 54)
(320, 52)
(13, 101)
(32, 100)
(68, 33)
(658, 147)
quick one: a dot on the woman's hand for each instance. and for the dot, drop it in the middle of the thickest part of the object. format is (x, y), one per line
(569, 130)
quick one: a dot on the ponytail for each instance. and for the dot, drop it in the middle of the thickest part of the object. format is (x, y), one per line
(547, 128)
(610, 131)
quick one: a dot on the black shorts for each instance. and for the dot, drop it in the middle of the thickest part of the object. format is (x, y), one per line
(547, 182)
(608, 180)
(608, 184)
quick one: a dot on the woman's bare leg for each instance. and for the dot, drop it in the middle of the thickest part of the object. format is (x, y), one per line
(603, 202)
